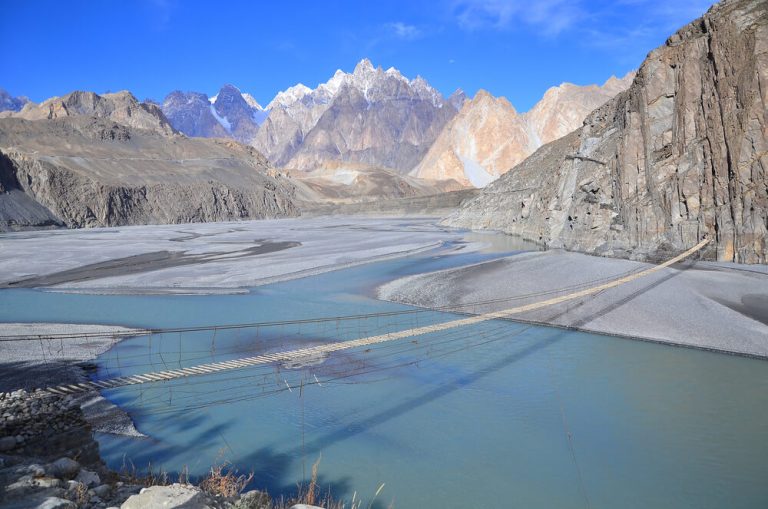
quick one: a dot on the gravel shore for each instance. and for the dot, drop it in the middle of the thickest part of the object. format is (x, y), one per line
(45, 362)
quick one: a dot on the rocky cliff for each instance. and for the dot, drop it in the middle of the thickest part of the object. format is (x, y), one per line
(562, 109)
(85, 171)
(488, 137)
(681, 155)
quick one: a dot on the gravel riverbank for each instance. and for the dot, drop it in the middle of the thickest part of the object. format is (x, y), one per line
(717, 306)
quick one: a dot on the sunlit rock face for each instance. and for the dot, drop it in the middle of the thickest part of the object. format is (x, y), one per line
(563, 108)
(488, 137)
(680, 155)
(483, 141)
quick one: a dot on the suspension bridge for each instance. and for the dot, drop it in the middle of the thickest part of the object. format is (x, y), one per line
(297, 355)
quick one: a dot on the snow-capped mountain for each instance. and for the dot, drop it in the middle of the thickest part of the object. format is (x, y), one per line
(370, 116)
(228, 114)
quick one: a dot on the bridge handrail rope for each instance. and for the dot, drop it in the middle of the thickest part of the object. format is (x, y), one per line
(456, 308)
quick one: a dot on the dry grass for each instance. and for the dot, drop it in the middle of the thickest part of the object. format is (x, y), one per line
(131, 475)
(81, 495)
(224, 481)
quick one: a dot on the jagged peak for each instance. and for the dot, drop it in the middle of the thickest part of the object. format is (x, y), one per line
(289, 95)
(364, 66)
(229, 87)
(483, 94)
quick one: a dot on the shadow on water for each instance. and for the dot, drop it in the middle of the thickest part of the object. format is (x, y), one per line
(272, 467)
(160, 452)
(450, 386)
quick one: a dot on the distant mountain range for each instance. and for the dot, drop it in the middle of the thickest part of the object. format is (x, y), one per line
(372, 117)
(10, 103)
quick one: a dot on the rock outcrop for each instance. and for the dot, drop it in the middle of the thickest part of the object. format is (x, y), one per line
(121, 107)
(84, 172)
(681, 155)
(488, 137)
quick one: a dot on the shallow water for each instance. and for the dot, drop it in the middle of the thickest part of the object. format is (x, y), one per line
(498, 414)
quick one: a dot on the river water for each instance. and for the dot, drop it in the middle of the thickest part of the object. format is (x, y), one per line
(499, 414)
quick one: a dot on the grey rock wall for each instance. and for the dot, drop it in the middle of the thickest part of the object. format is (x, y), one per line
(681, 155)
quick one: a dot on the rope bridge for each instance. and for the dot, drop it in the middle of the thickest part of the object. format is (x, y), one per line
(325, 349)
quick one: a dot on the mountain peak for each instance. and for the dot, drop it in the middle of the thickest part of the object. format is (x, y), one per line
(290, 95)
(363, 66)
(229, 88)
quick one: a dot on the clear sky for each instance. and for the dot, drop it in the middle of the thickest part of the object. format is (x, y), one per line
(513, 48)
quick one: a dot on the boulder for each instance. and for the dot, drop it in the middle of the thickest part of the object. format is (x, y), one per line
(102, 491)
(57, 503)
(175, 496)
(90, 479)
(65, 468)
(7, 443)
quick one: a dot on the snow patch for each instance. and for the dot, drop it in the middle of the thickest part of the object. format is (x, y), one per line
(221, 120)
(346, 177)
(475, 173)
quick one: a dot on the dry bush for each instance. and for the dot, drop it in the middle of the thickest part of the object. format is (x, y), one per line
(224, 481)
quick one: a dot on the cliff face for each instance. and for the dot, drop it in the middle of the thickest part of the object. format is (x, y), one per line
(90, 172)
(681, 155)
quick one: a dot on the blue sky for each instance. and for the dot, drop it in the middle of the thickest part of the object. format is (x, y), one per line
(513, 48)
